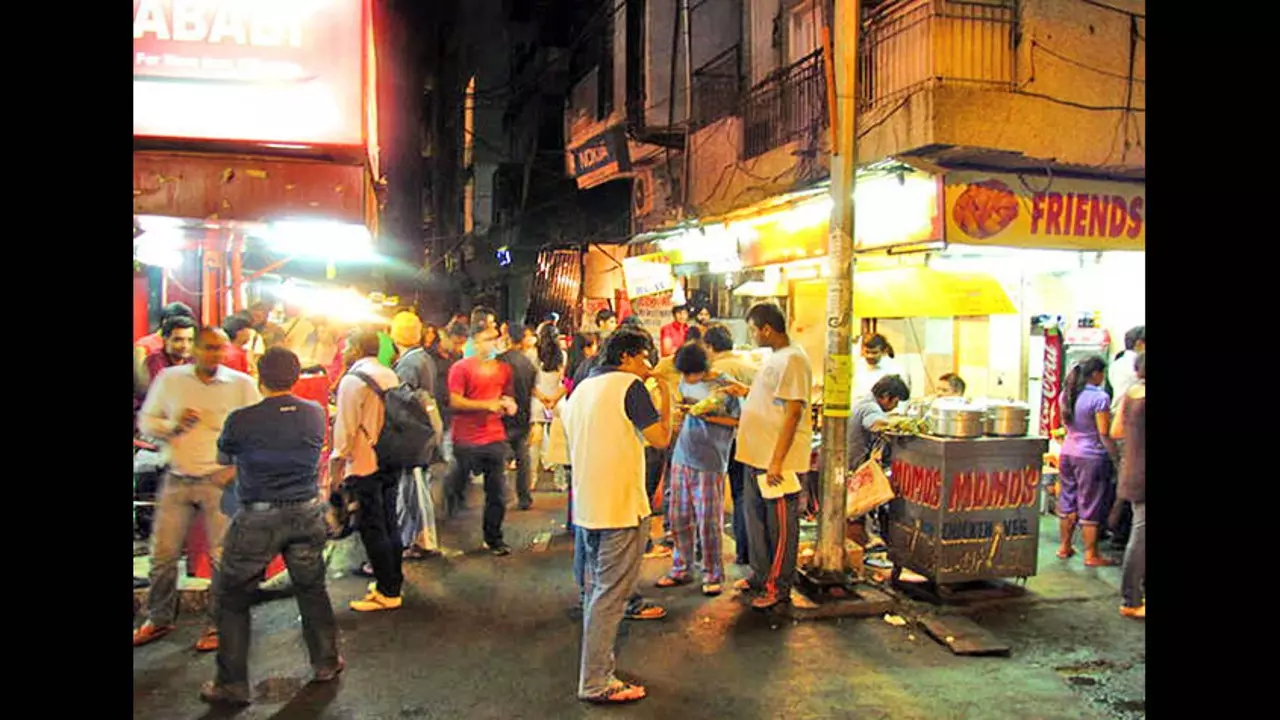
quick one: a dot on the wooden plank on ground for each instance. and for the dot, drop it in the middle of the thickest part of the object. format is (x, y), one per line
(963, 636)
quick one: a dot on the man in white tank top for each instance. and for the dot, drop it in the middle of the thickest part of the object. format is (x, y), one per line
(608, 420)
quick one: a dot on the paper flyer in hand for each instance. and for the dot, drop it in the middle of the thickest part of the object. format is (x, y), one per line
(790, 484)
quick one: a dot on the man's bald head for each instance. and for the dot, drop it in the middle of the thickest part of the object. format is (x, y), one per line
(211, 342)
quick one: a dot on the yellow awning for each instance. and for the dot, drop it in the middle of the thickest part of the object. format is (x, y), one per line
(926, 292)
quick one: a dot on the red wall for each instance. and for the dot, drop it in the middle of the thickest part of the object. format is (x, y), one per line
(141, 293)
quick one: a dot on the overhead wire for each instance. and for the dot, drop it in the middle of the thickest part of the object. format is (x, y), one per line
(1035, 44)
(1114, 9)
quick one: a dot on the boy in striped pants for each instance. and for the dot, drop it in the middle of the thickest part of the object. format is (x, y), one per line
(698, 466)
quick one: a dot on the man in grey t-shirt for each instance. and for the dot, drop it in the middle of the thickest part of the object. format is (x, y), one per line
(870, 415)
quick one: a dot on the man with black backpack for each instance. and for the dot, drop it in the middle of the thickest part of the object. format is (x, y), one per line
(415, 513)
(361, 458)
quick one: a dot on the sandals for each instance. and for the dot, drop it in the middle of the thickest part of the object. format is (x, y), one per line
(149, 633)
(617, 693)
(1100, 562)
(646, 611)
(659, 551)
(1066, 554)
(670, 581)
(208, 641)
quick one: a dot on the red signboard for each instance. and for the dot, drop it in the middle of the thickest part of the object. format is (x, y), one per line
(250, 189)
(270, 71)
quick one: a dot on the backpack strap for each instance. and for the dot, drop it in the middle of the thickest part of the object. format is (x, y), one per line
(372, 385)
(381, 395)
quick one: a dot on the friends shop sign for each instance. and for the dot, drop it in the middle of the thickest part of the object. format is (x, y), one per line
(1036, 211)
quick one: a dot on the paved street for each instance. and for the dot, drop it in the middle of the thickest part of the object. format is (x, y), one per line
(485, 637)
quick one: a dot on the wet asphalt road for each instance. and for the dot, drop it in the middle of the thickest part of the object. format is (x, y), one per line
(486, 637)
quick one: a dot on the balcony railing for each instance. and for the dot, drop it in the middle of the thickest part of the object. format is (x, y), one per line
(910, 44)
(788, 106)
(717, 88)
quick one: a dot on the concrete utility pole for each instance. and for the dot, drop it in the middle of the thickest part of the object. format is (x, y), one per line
(842, 75)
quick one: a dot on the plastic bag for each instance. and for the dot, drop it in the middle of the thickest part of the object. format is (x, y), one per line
(557, 449)
(867, 488)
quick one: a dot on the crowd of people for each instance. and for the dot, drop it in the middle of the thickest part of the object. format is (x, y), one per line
(630, 428)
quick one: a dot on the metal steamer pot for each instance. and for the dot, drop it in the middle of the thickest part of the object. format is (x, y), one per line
(1007, 420)
(957, 421)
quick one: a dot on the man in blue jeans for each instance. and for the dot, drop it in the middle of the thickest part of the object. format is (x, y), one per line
(185, 409)
(607, 420)
(275, 446)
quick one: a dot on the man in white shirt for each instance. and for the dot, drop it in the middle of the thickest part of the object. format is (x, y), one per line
(186, 408)
(774, 437)
(607, 420)
(1122, 374)
(877, 362)
(355, 433)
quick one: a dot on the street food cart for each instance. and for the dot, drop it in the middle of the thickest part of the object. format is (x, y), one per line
(966, 508)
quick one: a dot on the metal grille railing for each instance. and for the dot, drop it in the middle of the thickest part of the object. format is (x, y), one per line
(557, 287)
(790, 105)
(717, 88)
(910, 44)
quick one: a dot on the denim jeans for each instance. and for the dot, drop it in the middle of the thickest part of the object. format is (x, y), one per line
(255, 537)
(636, 601)
(180, 499)
(774, 529)
(376, 520)
(490, 461)
(612, 569)
(1134, 574)
(416, 511)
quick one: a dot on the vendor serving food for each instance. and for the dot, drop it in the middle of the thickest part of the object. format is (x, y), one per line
(870, 416)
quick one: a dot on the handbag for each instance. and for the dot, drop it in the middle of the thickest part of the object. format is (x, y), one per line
(867, 487)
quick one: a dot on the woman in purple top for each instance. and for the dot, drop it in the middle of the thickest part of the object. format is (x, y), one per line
(1086, 463)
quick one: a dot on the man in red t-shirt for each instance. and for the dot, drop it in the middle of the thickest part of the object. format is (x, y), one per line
(673, 332)
(239, 327)
(179, 334)
(480, 394)
(154, 343)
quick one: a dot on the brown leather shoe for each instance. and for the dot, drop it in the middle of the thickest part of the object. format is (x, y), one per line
(208, 641)
(150, 633)
(330, 674)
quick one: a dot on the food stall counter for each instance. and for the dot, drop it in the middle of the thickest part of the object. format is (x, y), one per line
(966, 509)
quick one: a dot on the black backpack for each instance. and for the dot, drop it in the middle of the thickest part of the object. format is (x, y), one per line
(406, 428)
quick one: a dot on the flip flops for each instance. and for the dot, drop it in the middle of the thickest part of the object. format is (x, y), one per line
(670, 581)
(619, 692)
